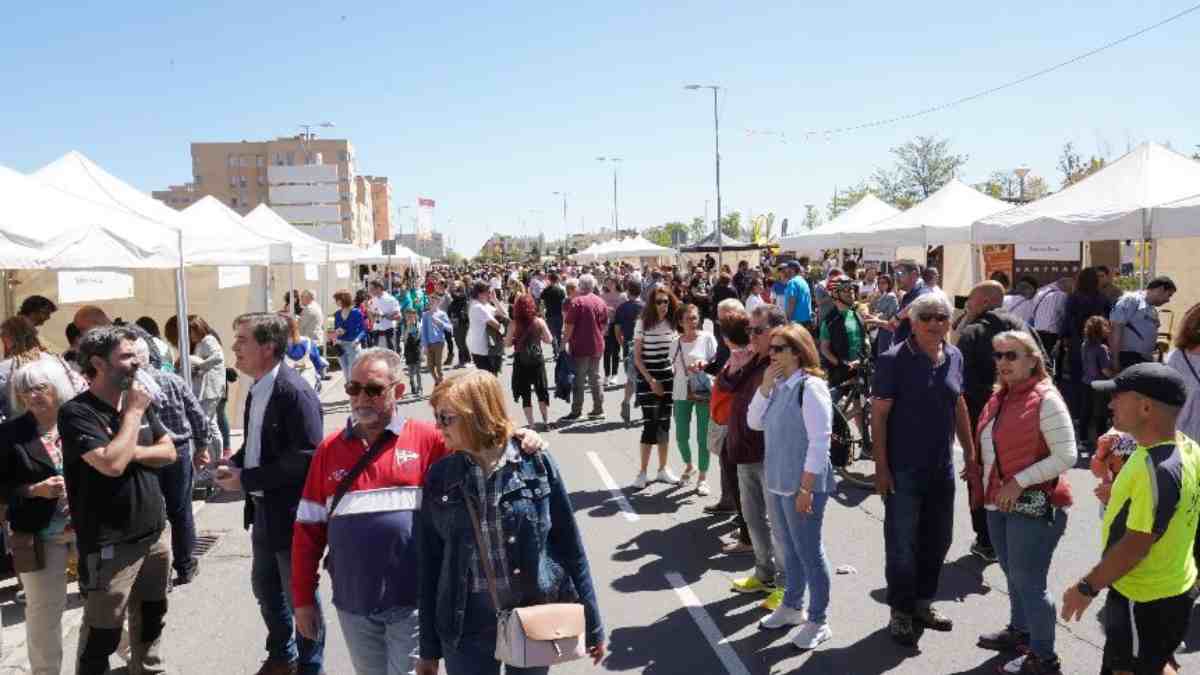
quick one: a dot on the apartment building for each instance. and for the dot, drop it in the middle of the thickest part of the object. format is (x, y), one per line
(381, 206)
(431, 245)
(311, 182)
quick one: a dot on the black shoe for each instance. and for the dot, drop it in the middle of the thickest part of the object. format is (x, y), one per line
(596, 414)
(625, 412)
(570, 417)
(931, 618)
(326, 378)
(986, 553)
(903, 630)
(720, 508)
(1007, 640)
(186, 575)
(1033, 665)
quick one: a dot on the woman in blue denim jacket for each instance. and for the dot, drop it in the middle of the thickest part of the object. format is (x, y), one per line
(527, 524)
(793, 410)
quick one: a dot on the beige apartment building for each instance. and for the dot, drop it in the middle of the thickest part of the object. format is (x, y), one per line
(381, 206)
(311, 182)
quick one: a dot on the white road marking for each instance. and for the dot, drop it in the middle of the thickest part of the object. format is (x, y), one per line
(613, 488)
(733, 664)
(18, 654)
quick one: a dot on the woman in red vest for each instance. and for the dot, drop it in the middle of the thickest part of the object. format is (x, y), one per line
(1026, 443)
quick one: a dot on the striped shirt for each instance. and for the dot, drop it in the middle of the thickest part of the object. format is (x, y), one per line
(657, 348)
(1048, 307)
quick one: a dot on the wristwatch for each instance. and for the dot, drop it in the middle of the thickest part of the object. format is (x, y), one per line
(1086, 588)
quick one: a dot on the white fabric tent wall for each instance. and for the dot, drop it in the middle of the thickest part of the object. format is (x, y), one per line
(1179, 218)
(868, 210)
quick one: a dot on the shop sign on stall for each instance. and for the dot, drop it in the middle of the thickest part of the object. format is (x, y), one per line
(1047, 263)
(232, 276)
(312, 272)
(998, 258)
(93, 286)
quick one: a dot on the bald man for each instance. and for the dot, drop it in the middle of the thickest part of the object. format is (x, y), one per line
(90, 316)
(982, 320)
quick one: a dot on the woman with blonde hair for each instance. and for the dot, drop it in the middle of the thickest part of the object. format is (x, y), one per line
(793, 409)
(1185, 359)
(485, 547)
(1026, 445)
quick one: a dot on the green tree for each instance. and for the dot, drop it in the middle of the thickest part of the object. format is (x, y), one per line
(844, 199)
(1073, 167)
(892, 187)
(454, 258)
(923, 165)
(698, 229)
(812, 217)
(1007, 185)
(666, 234)
(731, 224)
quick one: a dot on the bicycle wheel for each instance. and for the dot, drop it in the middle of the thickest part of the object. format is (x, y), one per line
(859, 469)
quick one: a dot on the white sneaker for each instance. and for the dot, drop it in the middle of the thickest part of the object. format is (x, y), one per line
(1014, 666)
(665, 476)
(686, 476)
(702, 488)
(811, 634)
(782, 617)
(640, 481)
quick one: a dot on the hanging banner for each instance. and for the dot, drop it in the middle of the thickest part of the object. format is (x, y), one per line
(343, 270)
(232, 276)
(998, 258)
(92, 286)
(312, 272)
(424, 217)
(1059, 252)
(878, 254)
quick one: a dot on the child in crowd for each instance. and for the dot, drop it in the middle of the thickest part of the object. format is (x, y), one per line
(412, 350)
(1112, 449)
(1097, 365)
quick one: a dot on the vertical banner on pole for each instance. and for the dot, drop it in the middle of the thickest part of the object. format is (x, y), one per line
(424, 217)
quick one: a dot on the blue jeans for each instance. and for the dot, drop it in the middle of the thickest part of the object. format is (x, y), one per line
(384, 643)
(349, 354)
(799, 536)
(476, 650)
(918, 525)
(176, 482)
(271, 581)
(1024, 547)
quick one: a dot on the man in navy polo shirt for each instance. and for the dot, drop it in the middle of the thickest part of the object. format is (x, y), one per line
(918, 409)
(908, 282)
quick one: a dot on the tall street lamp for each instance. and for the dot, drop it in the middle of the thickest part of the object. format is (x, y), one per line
(1021, 173)
(717, 150)
(616, 213)
(564, 196)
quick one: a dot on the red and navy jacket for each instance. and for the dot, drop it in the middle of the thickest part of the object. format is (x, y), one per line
(372, 547)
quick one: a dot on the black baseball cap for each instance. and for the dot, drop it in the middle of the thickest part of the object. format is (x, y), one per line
(1152, 380)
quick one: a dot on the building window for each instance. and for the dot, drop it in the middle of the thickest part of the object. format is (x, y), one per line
(231, 160)
(259, 161)
(242, 181)
(276, 159)
(343, 156)
(244, 160)
(262, 180)
(291, 158)
(197, 179)
(233, 181)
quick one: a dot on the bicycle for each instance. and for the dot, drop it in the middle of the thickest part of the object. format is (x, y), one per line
(850, 444)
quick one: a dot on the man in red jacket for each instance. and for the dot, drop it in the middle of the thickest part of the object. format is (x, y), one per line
(369, 531)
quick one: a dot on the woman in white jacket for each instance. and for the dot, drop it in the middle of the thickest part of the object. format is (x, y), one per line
(207, 359)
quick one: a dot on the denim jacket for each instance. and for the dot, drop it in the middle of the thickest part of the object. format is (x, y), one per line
(544, 547)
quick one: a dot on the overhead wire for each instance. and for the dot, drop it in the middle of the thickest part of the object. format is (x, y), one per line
(1007, 85)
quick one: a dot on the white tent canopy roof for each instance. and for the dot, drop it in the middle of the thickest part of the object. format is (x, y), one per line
(217, 235)
(945, 217)
(1180, 218)
(868, 210)
(1113, 203)
(43, 227)
(633, 247)
(373, 255)
(263, 220)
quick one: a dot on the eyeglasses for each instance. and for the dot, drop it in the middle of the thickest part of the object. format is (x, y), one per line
(664, 301)
(939, 317)
(759, 330)
(445, 420)
(1006, 356)
(779, 349)
(372, 390)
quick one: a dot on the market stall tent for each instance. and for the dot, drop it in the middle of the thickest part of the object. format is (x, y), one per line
(867, 211)
(634, 247)
(1113, 203)
(1180, 218)
(709, 244)
(944, 217)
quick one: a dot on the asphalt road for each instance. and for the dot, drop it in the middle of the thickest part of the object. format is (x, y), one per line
(663, 583)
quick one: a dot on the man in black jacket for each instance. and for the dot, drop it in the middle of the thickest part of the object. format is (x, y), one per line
(983, 320)
(283, 428)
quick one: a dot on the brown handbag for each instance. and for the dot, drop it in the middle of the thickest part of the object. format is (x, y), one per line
(28, 552)
(535, 636)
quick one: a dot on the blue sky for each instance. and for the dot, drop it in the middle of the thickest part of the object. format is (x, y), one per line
(491, 107)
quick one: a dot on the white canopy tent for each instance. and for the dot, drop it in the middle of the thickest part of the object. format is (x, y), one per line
(634, 247)
(306, 248)
(373, 255)
(868, 211)
(1113, 203)
(589, 254)
(1180, 218)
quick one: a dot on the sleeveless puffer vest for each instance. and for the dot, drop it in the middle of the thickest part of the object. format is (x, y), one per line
(1017, 438)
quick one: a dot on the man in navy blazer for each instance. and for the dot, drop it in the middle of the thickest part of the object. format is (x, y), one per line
(283, 428)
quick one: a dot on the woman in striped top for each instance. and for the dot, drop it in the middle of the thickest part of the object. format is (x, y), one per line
(1026, 444)
(653, 340)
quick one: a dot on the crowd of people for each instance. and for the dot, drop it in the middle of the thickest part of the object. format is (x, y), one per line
(101, 446)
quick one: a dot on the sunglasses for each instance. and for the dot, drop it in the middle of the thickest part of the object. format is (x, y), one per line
(1006, 356)
(779, 349)
(372, 390)
(759, 330)
(662, 302)
(445, 420)
(939, 317)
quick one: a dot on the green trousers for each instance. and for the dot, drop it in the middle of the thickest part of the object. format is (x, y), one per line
(683, 431)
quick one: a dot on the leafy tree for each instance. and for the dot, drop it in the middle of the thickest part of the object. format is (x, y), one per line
(1006, 185)
(1073, 167)
(454, 258)
(844, 199)
(664, 235)
(697, 229)
(892, 187)
(731, 224)
(925, 164)
(812, 217)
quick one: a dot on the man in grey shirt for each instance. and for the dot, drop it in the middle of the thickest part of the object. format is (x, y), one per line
(1135, 323)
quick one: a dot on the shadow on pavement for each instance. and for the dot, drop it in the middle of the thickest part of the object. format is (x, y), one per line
(689, 549)
(586, 426)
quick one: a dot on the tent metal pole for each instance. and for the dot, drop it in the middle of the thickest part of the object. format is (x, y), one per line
(293, 294)
(181, 313)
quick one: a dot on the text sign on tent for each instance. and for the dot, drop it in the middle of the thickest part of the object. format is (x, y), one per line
(280, 254)
(343, 270)
(91, 286)
(232, 276)
(1048, 251)
(878, 254)
(311, 272)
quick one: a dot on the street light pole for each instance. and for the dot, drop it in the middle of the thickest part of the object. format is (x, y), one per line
(717, 151)
(1021, 173)
(564, 198)
(616, 211)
